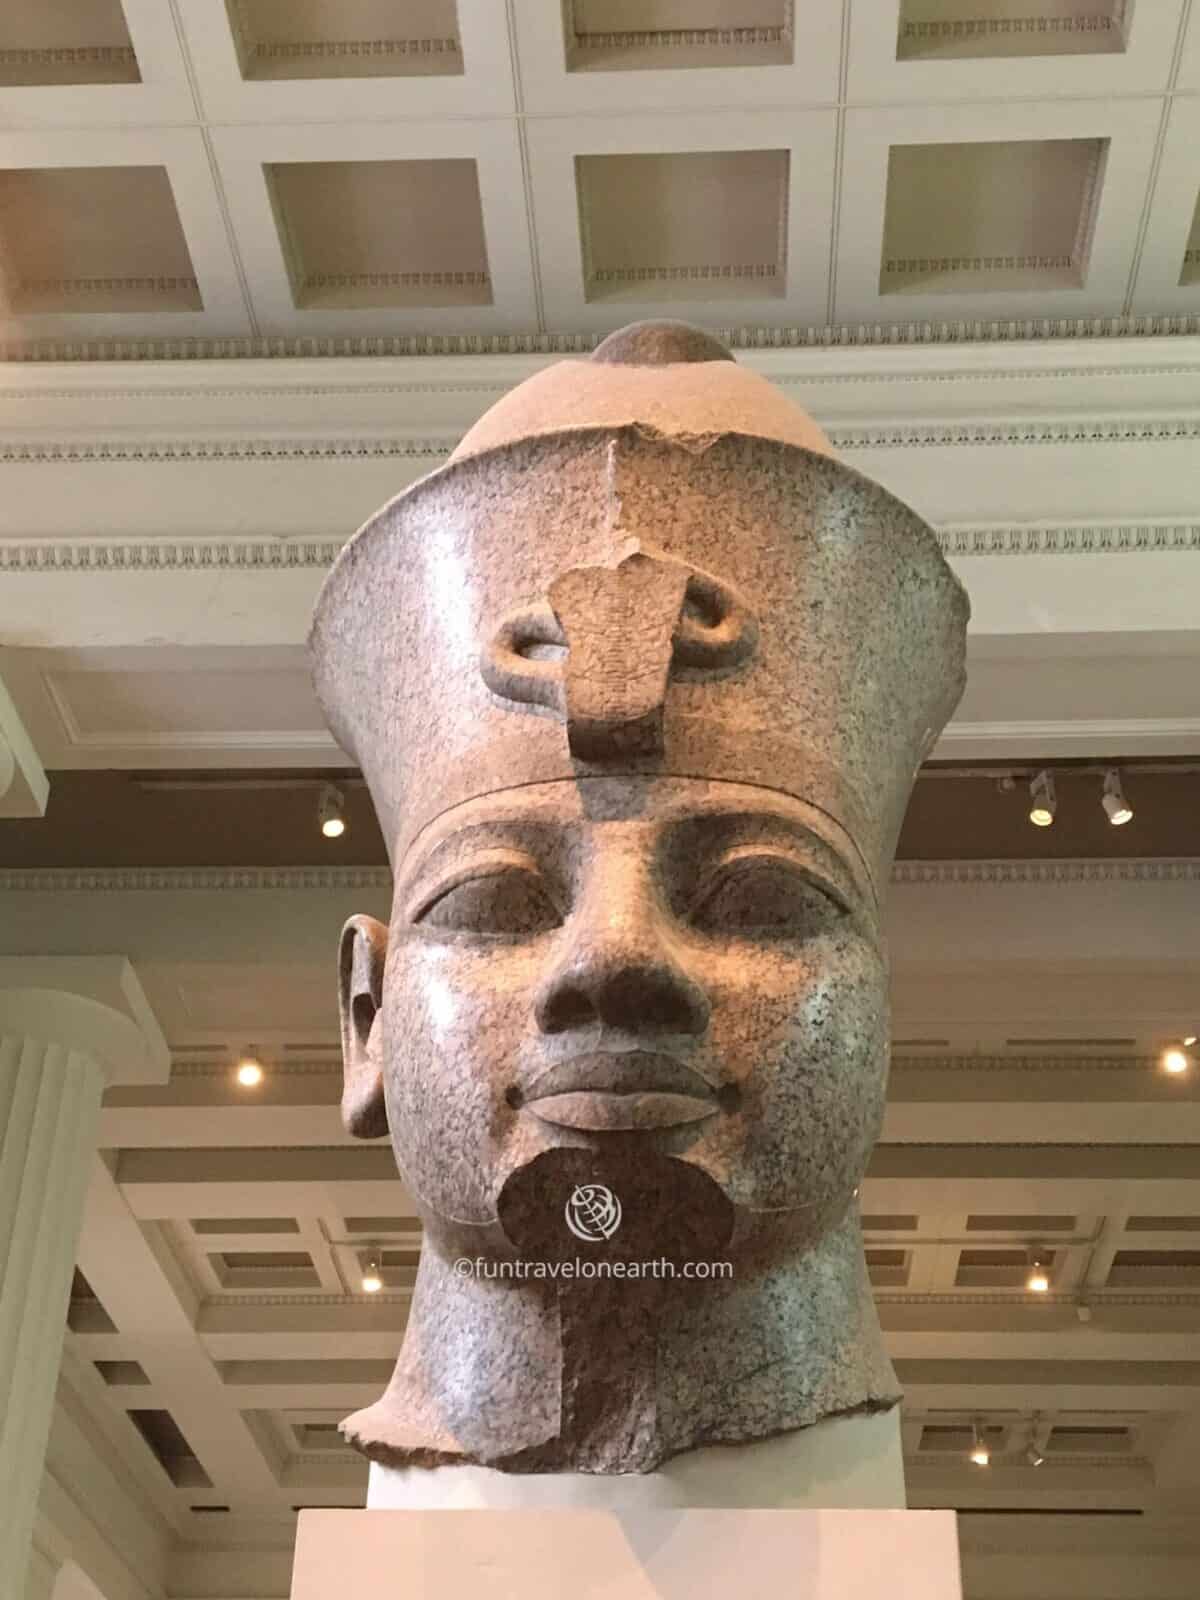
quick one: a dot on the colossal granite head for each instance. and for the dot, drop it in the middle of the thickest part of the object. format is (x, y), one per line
(639, 681)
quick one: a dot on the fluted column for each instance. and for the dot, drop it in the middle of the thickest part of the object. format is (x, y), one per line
(68, 1026)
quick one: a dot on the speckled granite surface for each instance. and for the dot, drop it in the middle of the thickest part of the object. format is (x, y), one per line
(640, 682)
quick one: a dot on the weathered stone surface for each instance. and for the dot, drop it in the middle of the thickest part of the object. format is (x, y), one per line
(639, 682)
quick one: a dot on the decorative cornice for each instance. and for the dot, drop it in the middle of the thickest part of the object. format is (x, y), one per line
(395, 1297)
(271, 555)
(336, 49)
(906, 436)
(678, 38)
(958, 1063)
(905, 266)
(487, 379)
(1101, 430)
(1071, 539)
(1096, 1299)
(184, 1066)
(117, 880)
(1124, 869)
(857, 335)
(95, 55)
(960, 28)
(231, 449)
(1127, 869)
(1005, 1297)
(286, 1066)
(168, 555)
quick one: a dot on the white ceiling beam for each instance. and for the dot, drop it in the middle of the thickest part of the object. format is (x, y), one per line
(973, 1120)
(243, 492)
(126, 1274)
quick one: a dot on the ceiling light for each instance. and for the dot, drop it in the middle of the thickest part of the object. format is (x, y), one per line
(372, 1274)
(1038, 1281)
(1043, 802)
(331, 812)
(1176, 1060)
(1190, 1040)
(980, 1454)
(1117, 808)
(249, 1070)
(1034, 1456)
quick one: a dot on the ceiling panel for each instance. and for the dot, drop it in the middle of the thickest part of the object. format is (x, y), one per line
(771, 165)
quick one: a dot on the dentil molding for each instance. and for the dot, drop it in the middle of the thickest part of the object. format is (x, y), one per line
(273, 555)
(436, 449)
(843, 335)
(1129, 869)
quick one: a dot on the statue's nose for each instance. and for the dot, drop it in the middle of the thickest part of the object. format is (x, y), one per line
(621, 968)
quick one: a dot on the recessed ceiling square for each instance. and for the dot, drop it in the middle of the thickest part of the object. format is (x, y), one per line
(346, 38)
(46, 42)
(92, 239)
(1191, 255)
(698, 225)
(382, 233)
(962, 30)
(989, 217)
(625, 35)
(264, 1269)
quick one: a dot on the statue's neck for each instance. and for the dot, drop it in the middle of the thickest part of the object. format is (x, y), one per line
(617, 1375)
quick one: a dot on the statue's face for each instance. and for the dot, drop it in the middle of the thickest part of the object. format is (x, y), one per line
(689, 967)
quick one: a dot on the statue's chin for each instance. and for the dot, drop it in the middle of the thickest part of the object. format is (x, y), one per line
(673, 1208)
(623, 1203)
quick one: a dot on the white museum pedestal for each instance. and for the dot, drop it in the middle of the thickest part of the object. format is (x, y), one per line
(648, 1555)
(816, 1514)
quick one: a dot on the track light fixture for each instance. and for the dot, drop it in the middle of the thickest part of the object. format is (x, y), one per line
(1038, 1281)
(1189, 1041)
(981, 1456)
(1034, 1456)
(331, 812)
(1116, 807)
(1176, 1060)
(249, 1069)
(1043, 802)
(372, 1273)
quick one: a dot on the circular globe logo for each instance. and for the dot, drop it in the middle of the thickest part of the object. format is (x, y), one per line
(593, 1212)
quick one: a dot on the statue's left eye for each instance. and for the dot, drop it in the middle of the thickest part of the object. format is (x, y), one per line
(512, 903)
(765, 897)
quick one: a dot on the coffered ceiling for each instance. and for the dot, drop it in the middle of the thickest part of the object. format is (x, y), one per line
(242, 169)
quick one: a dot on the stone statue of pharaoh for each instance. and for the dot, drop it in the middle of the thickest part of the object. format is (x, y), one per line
(640, 681)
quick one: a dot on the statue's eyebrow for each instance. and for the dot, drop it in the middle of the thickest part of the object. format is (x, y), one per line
(527, 835)
(776, 826)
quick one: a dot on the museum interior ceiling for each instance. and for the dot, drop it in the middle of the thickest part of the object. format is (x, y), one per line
(262, 262)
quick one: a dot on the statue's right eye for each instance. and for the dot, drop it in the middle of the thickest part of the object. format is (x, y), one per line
(509, 903)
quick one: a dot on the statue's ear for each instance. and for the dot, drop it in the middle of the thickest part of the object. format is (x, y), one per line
(360, 997)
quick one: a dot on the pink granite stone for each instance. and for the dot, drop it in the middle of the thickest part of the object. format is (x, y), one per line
(640, 681)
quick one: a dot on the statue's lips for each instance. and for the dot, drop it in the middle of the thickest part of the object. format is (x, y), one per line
(607, 1092)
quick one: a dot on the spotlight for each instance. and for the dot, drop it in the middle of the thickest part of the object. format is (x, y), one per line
(1117, 808)
(1034, 1456)
(331, 812)
(1038, 1281)
(1043, 802)
(372, 1274)
(980, 1454)
(1176, 1061)
(249, 1070)
(1190, 1040)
